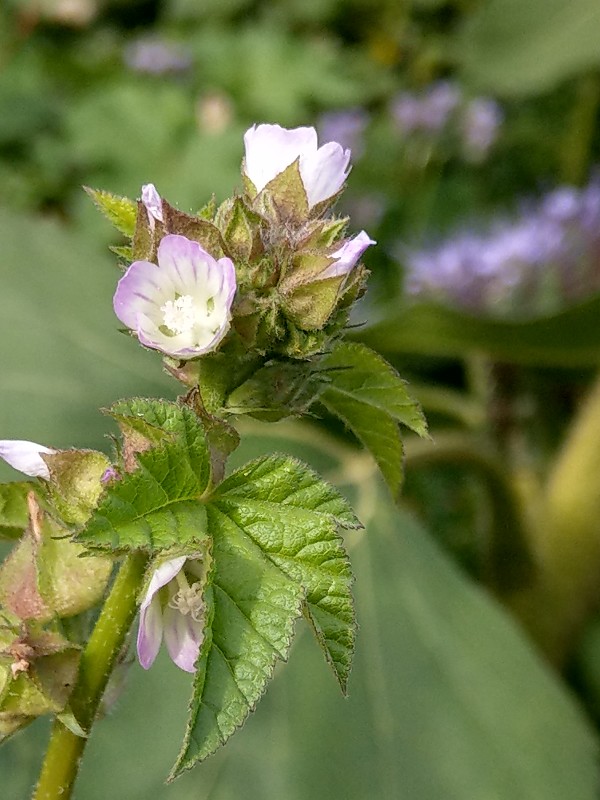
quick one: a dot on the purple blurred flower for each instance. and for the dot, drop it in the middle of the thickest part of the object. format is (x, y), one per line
(545, 258)
(348, 255)
(346, 127)
(172, 609)
(427, 111)
(481, 122)
(181, 307)
(270, 149)
(156, 56)
(26, 457)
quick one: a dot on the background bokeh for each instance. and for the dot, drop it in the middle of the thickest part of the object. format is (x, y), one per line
(474, 126)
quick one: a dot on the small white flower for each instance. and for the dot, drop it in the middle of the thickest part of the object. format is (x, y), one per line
(270, 149)
(182, 306)
(26, 457)
(348, 256)
(172, 608)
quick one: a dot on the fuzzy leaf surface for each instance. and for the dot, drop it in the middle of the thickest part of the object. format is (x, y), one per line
(276, 554)
(293, 516)
(156, 506)
(369, 396)
(121, 211)
(13, 508)
(251, 609)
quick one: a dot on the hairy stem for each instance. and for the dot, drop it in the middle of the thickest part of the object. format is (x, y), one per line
(65, 748)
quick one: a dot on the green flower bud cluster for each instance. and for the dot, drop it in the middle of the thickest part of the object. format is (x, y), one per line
(46, 580)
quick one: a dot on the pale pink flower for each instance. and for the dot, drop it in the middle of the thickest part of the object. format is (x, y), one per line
(348, 255)
(172, 609)
(270, 149)
(182, 306)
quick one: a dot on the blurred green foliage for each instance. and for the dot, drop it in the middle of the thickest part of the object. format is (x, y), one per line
(447, 699)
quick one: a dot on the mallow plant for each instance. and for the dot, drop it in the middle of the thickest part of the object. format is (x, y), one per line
(247, 303)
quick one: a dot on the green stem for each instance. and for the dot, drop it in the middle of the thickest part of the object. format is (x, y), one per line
(65, 748)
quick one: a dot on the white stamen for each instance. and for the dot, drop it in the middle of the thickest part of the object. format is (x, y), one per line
(188, 600)
(180, 315)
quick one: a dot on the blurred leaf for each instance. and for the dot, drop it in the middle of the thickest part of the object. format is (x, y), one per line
(518, 48)
(368, 395)
(280, 75)
(568, 339)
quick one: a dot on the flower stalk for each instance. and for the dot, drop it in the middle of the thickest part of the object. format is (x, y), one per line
(65, 749)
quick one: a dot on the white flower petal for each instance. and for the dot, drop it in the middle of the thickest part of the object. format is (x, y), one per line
(348, 255)
(324, 172)
(160, 577)
(270, 149)
(26, 457)
(183, 638)
(150, 633)
(152, 200)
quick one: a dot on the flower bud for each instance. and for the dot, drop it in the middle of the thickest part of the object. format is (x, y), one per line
(37, 671)
(272, 151)
(26, 457)
(48, 575)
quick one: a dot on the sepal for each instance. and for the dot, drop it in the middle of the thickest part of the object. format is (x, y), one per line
(283, 200)
(75, 482)
(279, 389)
(241, 231)
(121, 211)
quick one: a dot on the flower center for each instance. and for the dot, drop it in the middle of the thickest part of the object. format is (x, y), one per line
(188, 600)
(180, 315)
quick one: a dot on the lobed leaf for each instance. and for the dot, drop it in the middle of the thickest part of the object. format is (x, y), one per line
(292, 515)
(280, 480)
(363, 375)
(155, 507)
(251, 609)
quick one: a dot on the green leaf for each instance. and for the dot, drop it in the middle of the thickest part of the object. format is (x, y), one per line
(251, 609)
(14, 516)
(120, 211)
(521, 48)
(292, 515)
(365, 376)
(568, 339)
(156, 506)
(276, 553)
(369, 396)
